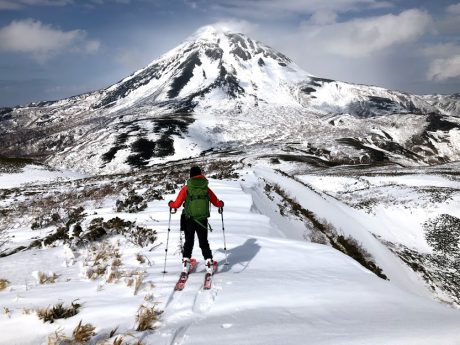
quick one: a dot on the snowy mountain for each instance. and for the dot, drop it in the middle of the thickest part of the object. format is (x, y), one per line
(224, 91)
(449, 104)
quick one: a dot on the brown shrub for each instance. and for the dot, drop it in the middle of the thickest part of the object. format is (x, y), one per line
(146, 317)
(83, 333)
(4, 284)
(58, 311)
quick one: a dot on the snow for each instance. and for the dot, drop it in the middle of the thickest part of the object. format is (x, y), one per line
(402, 207)
(277, 288)
(34, 174)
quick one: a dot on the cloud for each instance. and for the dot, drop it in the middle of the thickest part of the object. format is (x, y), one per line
(43, 41)
(362, 37)
(454, 9)
(441, 50)
(280, 8)
(442, 69)
(19, 4)
(101, 2)
(323, 17)
(450, 22)
(92, 46)
(234, 25)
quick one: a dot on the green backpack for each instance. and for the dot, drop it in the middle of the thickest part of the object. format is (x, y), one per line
(197, 200)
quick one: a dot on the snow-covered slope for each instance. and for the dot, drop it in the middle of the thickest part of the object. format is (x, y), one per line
(447, 104)
(221, 89)
(277, 287)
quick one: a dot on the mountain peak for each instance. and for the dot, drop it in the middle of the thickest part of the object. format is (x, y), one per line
(215, 62)
(212, 32)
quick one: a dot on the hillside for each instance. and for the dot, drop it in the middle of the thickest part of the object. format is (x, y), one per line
(293, 240)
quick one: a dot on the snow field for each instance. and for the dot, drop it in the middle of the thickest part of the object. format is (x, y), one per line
(276, 289)
(401, 209)
(34, 174)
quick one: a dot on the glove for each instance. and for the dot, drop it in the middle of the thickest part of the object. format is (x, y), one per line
(221, 208)
(170, 203)
(221, 204)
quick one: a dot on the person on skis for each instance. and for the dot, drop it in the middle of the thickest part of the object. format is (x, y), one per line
(195, 196)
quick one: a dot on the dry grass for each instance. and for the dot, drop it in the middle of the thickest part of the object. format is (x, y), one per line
(44, 278)
(83, 332)
(57, 338)
(98, 259)
(81, 335)
(4, 284)
(138, 280)
(135, 279)
(149, 297)
(27, 311)
(58, 311)
(140, 258)
(7, 311)
(118, 340)
(146, 318)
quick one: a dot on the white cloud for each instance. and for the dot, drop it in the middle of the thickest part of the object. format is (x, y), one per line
(9, 5)
(323, 17)
(362, 37)
(442, 69)
(41, 40)
(441, 50)
(454, 9)
(234, 25)
(279, 8)
(19, 4)
(92, 46)
(450, 23)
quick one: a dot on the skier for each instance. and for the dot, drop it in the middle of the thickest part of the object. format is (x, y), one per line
(195, 196)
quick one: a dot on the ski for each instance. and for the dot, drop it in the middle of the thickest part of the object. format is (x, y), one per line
(208, 277)
(184, 276)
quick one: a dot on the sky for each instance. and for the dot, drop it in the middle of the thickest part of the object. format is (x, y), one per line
(52, 49)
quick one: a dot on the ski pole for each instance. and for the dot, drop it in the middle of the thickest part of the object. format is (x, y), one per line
(181, 244)
(223, 232)
(167, 239)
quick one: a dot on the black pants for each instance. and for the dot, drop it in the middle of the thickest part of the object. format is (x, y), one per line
(202, 231)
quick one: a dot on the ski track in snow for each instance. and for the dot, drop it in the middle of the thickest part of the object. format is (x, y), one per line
(189, 313)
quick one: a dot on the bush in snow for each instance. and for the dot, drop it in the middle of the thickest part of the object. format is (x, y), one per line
(83, 332)
(146, 318)
(443, 234)
(101, 259)
(137, 234)
(80, 335)
(63, 233)
(136, 279)
(44, 221)
(221, 169)
(4, 284)
(58, 311)
(153, 193)
(45, 278)
(132, 204)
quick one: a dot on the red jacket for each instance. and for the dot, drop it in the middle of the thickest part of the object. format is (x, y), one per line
(183, 194)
